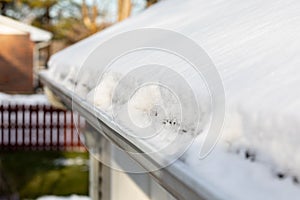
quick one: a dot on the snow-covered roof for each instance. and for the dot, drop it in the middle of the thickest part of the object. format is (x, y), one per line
(32, 99)
(255, 47)
(11, 26)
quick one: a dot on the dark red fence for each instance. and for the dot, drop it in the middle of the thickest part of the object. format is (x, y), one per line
(39, 127)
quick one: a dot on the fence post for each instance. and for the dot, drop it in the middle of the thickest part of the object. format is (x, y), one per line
(23, 126)
(16, 125)
(2, 125)
(9, 125)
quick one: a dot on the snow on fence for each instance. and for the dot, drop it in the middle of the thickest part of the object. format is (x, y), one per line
(39, 127)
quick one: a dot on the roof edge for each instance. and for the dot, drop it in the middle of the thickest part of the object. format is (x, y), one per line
(36, 34)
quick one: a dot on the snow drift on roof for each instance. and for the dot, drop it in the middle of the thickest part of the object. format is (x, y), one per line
(255, 46)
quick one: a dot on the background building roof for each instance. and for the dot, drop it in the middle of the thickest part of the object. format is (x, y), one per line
(11, 26)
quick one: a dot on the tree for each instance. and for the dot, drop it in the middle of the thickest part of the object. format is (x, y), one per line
(151, 2)
(124, 9)
(89, 19)
(42, 10)
(6, 5)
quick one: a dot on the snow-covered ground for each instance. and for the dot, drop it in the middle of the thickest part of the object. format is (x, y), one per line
(255, 47)
(32, 99)
(71, 161)
(72, 197)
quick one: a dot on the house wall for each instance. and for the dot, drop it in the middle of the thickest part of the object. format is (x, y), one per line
(109, 176)
(16, 64)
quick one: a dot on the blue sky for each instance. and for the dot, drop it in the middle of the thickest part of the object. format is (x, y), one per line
(111, 6)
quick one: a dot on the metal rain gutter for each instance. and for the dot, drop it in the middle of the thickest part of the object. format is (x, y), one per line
(174, 178)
